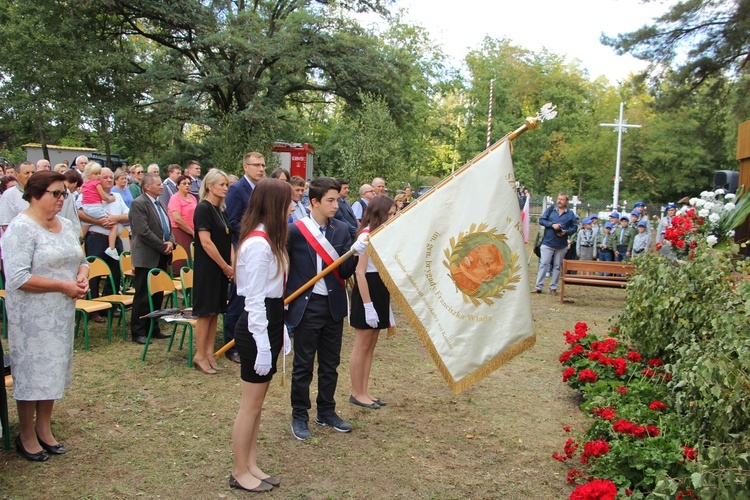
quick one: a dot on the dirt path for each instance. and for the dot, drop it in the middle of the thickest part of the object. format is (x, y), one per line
(157, 429)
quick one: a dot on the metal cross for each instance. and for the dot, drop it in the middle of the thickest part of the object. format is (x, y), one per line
(620, 127)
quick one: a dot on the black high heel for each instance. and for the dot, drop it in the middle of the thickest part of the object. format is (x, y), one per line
(31, 457)
(57, 449)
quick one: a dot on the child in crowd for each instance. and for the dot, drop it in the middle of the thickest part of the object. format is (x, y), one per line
(605, 244)
(93, 197)
(586, 242)
(642, 240)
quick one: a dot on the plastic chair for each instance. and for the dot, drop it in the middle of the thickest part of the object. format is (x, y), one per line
(127, 274)
(100, 269)
(86, 307)
(179, 253)
(160, 282)
(186, 281)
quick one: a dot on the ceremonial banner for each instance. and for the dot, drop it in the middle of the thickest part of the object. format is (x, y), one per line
(455, 261)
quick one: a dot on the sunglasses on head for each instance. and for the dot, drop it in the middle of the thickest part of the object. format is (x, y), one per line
(57, 194)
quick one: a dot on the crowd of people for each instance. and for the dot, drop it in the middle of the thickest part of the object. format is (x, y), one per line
(256, 240)
(563, 235)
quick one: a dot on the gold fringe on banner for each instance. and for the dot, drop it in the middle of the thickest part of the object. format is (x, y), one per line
(475, 376)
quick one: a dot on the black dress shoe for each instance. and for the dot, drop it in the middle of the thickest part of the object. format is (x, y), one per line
(139, 339)
(57, 449)
(160, 335)
(233, 356)
(31, 457)
(261, 488)
(97, 318)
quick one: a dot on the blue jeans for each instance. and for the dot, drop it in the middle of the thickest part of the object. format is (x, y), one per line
(554, 255)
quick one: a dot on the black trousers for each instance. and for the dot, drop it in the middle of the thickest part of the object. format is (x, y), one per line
(96, 244)
(317, 332)
(140, 327)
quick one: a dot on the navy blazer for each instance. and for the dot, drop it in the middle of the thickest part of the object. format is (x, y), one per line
(237, 199)
(346, 214)
(303, 267)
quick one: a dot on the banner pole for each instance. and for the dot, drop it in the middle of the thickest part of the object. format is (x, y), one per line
(297, 293)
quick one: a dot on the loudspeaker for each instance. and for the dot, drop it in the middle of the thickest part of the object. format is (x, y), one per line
(728, 180)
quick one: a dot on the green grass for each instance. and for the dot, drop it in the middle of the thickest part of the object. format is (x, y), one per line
(159, 429)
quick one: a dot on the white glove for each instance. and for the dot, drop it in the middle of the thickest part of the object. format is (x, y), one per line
(371, 316)
(287, 342)
(263, 358)
(360, 246)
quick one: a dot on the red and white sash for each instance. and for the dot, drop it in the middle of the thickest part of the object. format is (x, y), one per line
(315, 238)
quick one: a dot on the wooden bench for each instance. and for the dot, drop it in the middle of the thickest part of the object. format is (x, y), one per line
(593, 273)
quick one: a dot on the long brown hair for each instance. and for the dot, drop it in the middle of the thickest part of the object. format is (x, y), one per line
(376, 212)
(269, 205)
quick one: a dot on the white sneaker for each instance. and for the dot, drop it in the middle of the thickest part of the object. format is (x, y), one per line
(112, 253)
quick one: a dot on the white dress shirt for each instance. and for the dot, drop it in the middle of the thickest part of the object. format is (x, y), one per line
(257, 278)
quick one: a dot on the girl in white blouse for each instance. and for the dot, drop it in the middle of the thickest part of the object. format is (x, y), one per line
(261, 269)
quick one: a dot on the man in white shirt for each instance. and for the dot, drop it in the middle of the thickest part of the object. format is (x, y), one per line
(298, 191)
(170, 183)
(378, 185)
(366, 193)
(12, 202)
(193, 170)
(96, 240)
(80, 163)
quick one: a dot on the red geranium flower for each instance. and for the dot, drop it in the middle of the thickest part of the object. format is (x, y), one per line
(569, 372)
(620, 365)
(594, 355)
(622, 389)
(577, 349)
(566, 428)
(652, 430)
(598, 489)
(640, 431)
(565, 356)
(581, 328)
(634, 356)
(623, 426)
(559, 457)
(657, 406)
(573, 475)
(654, 362)
(588, 376)
(595, 448)
(648, 373)
(689, 453)
(570, 447)
(607, 413)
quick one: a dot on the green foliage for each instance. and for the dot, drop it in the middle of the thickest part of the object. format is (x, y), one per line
(367, 145)
(702, 38)
(644, 442)
(696, 315)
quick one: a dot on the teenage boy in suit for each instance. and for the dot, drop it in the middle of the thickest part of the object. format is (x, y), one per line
(317, 315)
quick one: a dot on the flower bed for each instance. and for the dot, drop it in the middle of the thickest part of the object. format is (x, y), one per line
(635, 439)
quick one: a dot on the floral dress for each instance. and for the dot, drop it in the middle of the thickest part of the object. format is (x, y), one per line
(40, 325)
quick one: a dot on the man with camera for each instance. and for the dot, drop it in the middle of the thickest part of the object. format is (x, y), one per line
(559, 224)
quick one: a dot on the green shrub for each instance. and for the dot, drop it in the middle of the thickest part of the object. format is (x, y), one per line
(695, 314)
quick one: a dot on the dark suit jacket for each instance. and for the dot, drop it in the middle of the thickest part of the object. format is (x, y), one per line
(303, 267)
(146, 232)
(195, 188)
(346, 214)
(237, 199)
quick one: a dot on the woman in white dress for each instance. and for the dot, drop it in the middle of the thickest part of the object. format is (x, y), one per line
(46, 272)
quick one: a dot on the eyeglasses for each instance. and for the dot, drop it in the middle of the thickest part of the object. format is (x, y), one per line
(256, 164)
(138, 172)
(57, 193)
